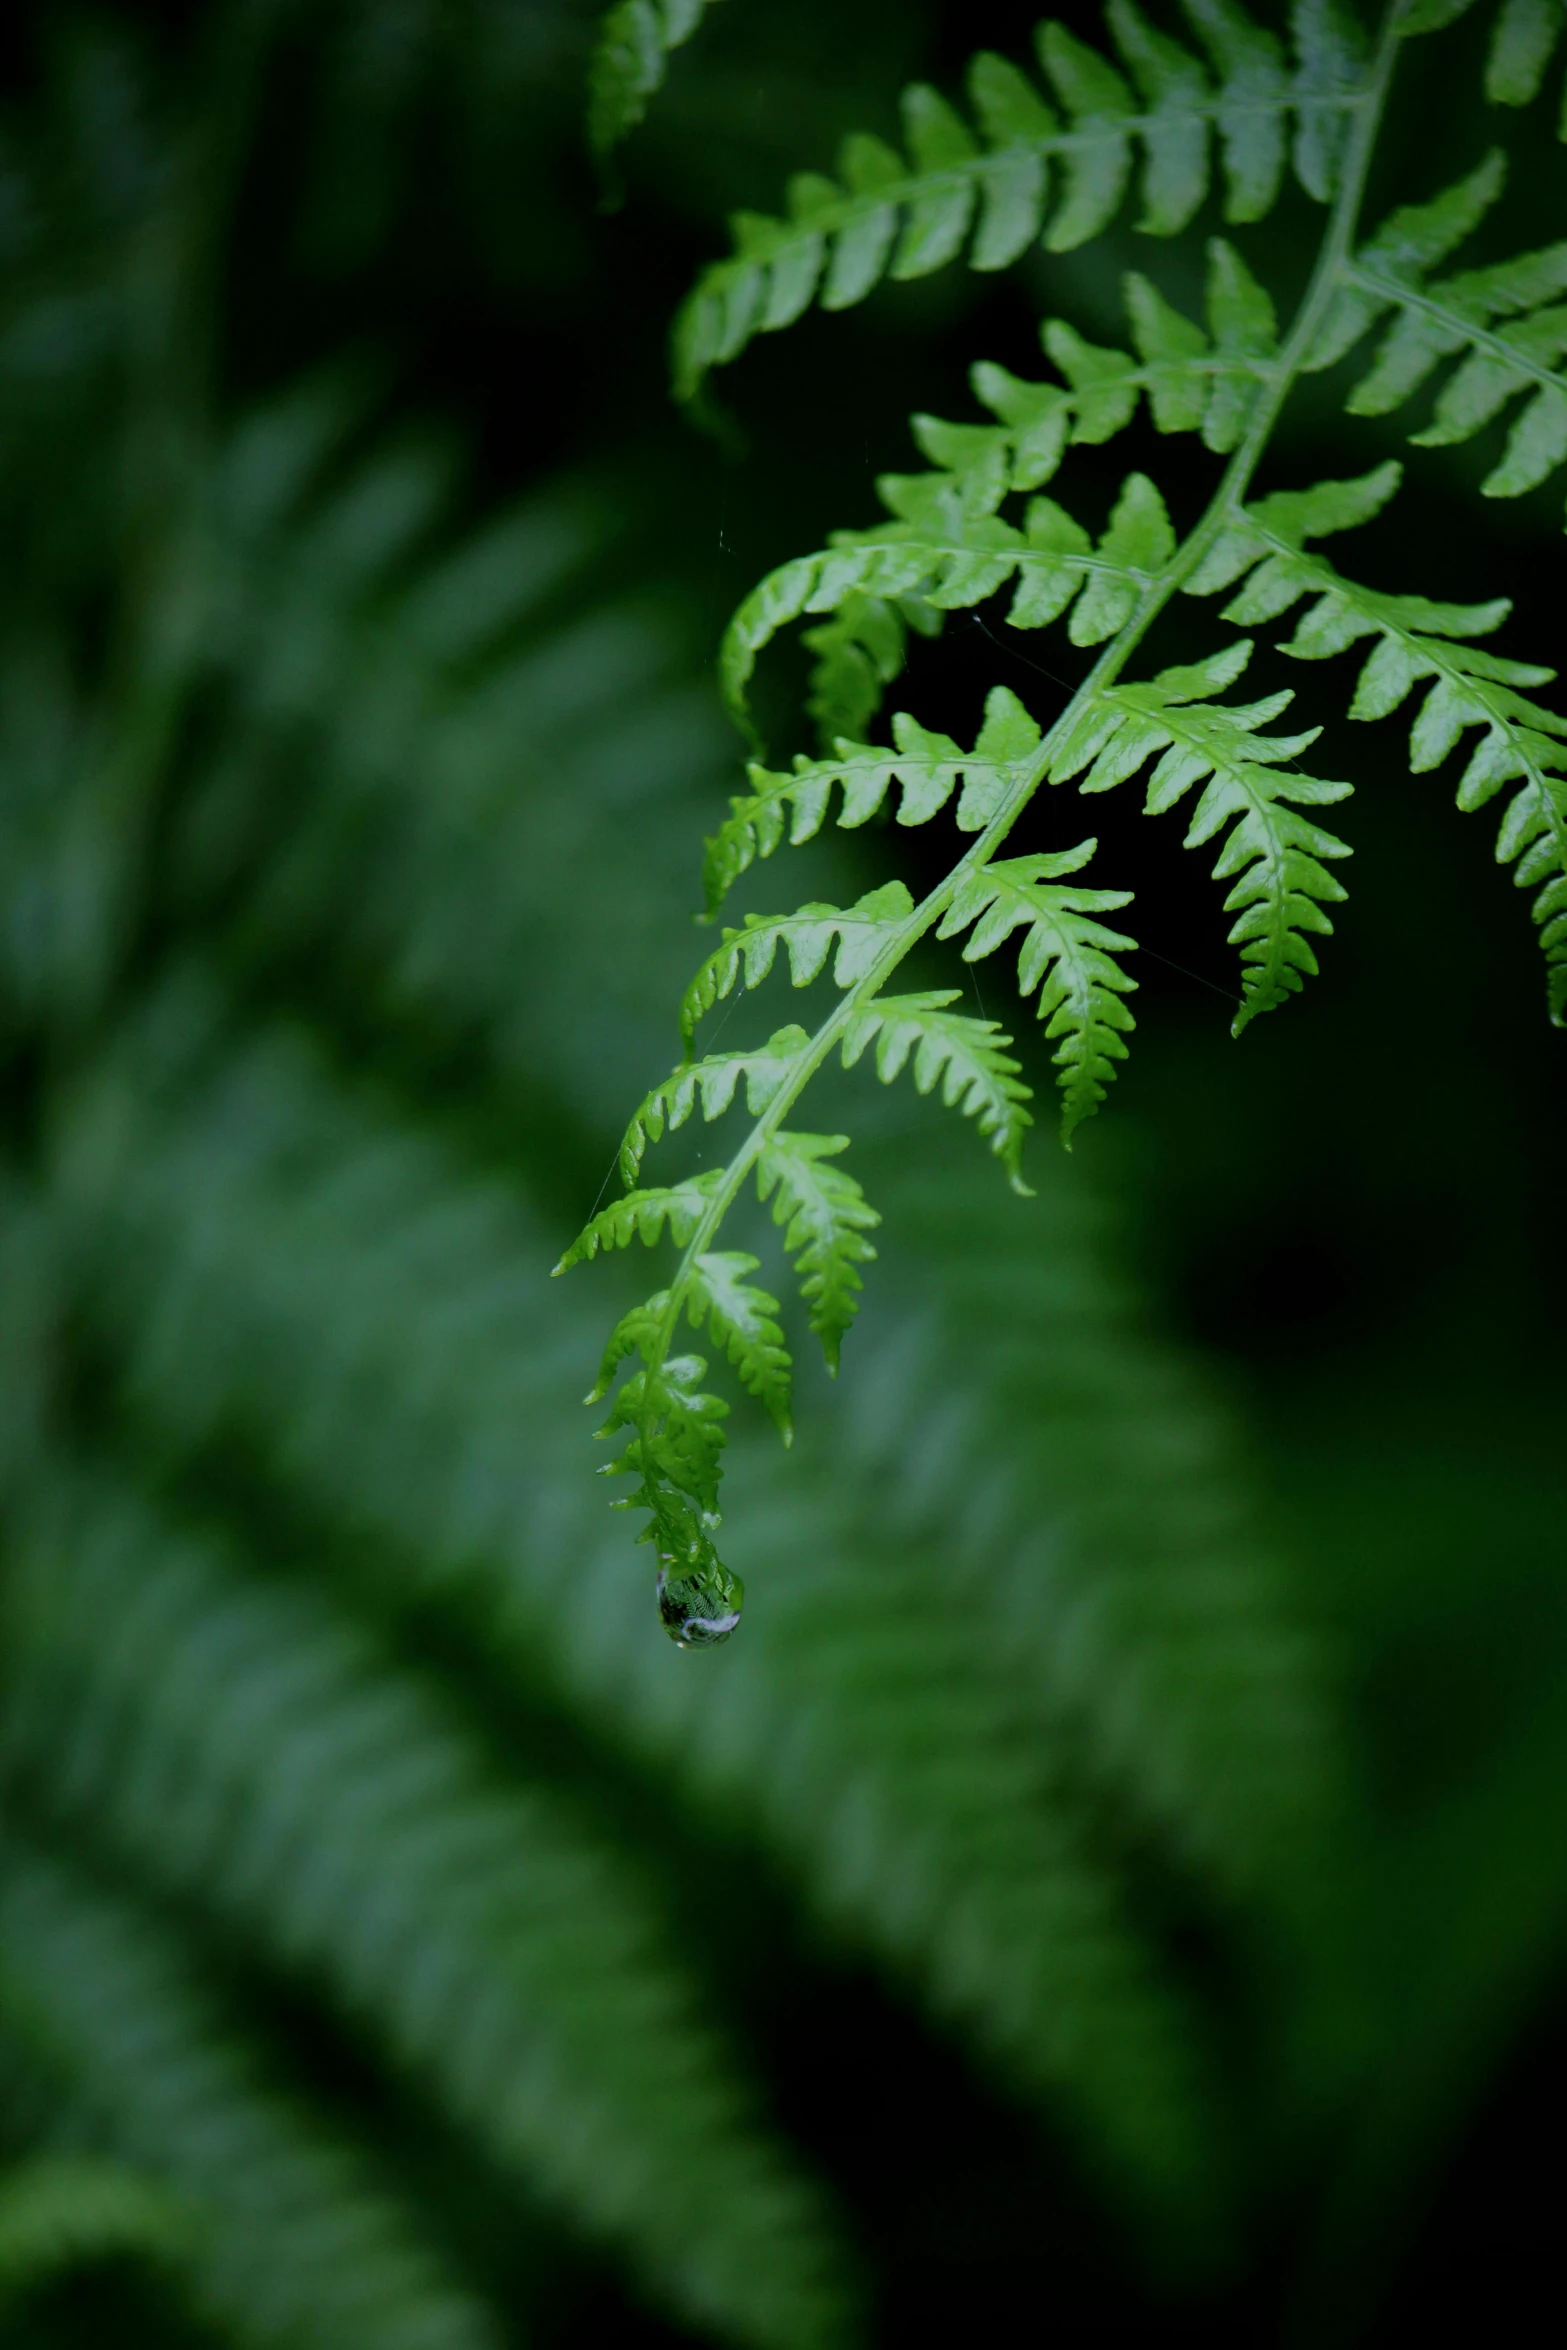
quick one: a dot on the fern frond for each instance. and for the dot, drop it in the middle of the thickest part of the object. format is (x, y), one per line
(291, 2239)
(674, 1438)
(713, 1082)
(1193, 382)
(926, 765)
(1508, 317)
(825, 1216)
(1418, 643)
(630, 59)
(673, 1446)
(951, 546)
(1067, 955)
(675, 1429)
(1272, 854)
(58, 2212)
(858, 652)
(642, 1215)
(746, 956)
(739, 1316)
(967, 1057)
(251, 1749)
(677, 1432)
(948, 548)
(891, 215)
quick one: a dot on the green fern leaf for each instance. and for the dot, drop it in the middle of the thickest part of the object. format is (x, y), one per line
(1097, 166)
(1431, 16)
(739, 1316)
(825, 1217)
(676, 1438)
(642, 1215)
(1191, 383)
(926, 765)
(1418, 643)
(747, 955)
(1246, 339)
(858, 652)
(1072, 955)
(887, 215)
(1507, 317)
(949, 544)
(967, 1057)
(674, 1442)
(677, 1432)
(630, 59)
(712, 1082)
(1272, 854)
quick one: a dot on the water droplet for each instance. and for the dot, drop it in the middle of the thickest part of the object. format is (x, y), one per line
(699, 1600)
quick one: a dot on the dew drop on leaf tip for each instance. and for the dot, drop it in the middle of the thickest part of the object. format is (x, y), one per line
(698, 1603)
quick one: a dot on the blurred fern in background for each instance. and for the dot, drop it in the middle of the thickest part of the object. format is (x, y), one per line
(399, 1944)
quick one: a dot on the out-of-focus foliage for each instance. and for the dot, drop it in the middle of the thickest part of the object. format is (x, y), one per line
(399, 1942)
(629, 62)
(57, 2213)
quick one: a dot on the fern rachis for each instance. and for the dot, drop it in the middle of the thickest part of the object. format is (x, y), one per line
(949, 546)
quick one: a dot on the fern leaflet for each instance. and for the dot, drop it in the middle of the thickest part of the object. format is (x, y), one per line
(1417, 641)
(951, 546)
(642, 1215)
(888, 215)
(713, 1080)
(926, 766)
(1272, 854)
(1509, 317)
(1065, 953)
(747, 955)
(739, 1316)
(967, 1057)
(825, 1217)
